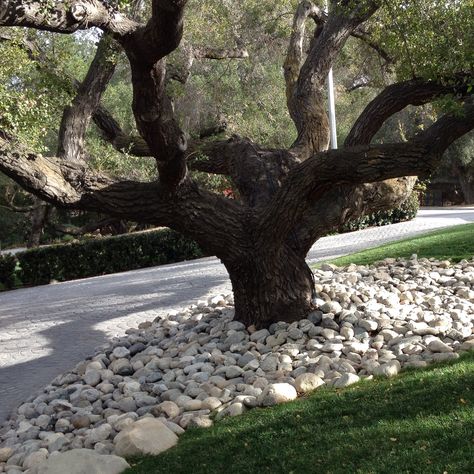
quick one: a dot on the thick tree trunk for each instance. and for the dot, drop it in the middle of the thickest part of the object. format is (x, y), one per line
(271, 287)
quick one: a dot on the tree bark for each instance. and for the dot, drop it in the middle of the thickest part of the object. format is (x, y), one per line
(271, 287)
(466, 180)
(288, 197)
(39, 217)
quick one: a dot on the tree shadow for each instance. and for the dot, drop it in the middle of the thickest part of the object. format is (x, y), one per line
(64, 323)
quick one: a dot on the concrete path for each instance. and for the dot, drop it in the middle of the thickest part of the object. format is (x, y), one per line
(48, 329)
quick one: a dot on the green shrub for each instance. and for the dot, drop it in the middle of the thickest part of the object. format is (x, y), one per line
(106, 255)
(7, 270)
(405, 212)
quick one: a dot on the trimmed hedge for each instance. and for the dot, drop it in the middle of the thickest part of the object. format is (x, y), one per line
(7, 270)
(405, 212)
(103, 256)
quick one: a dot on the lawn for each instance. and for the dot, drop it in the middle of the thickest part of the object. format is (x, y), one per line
(454, 243)
(420, 422)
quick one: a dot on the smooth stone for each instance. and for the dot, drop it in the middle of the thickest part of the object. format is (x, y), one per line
(345, 380)
(307, 382)
(6, 453)
(390, 369)
(35, 458)
(120, 352)
(145, 436)
(81, 461)
(80, 421)
(331, 307)
(439, 346)
(92, 377)
(200, 422)
(276, 393)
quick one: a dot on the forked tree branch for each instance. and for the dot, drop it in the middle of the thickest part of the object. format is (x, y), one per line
(306, 83)
(76, 117)
(311, 180)
(72, 185)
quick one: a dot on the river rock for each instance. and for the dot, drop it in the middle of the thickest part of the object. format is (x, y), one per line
(145, 436)
(277, 393)
(307, 382)
(81, 461)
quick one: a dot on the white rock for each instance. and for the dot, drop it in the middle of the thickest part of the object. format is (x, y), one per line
(145, 436)
(308, 382)
(368, 324)
(5, 454)
(346, 380)
(35, 458)
(120, 352)
(467, 345)
(92, 377)
(276, 393)
(81, 461)
(347, 333)
(443, 356)
(100, 433)
(331, 307)
(439, 346)
(390, 369)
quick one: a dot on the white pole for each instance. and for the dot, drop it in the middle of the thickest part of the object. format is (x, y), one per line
(332, 105)
(332, 111)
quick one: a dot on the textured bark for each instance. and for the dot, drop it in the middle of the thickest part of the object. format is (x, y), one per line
(65, 16)
(307, 102)
(270, 287)
(77, 116)
(346, 203)
(289, 198)
(38, 218)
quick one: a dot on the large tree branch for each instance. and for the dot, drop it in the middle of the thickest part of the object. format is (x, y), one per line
(65, 16)
(306, 97)
(395, 98)
(152, 108)
(294, 55)
(208, 218)
(345, 203)
(76, 117)
(351, 202)
(311, 180)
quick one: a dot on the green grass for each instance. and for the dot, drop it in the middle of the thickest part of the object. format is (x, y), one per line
(454, 243)
(420, 422)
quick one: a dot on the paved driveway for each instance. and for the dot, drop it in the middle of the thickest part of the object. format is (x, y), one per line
(46, 330)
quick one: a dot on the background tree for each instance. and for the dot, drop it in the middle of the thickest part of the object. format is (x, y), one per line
(288, 197)
(459, 161)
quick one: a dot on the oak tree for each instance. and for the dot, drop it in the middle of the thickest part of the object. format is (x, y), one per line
(287, 198)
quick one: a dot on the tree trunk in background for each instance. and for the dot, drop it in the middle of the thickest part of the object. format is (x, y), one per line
(38, 220)
(467, 185)
(466, 180)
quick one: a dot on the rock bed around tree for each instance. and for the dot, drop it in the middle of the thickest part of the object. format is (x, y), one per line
(194, 367)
